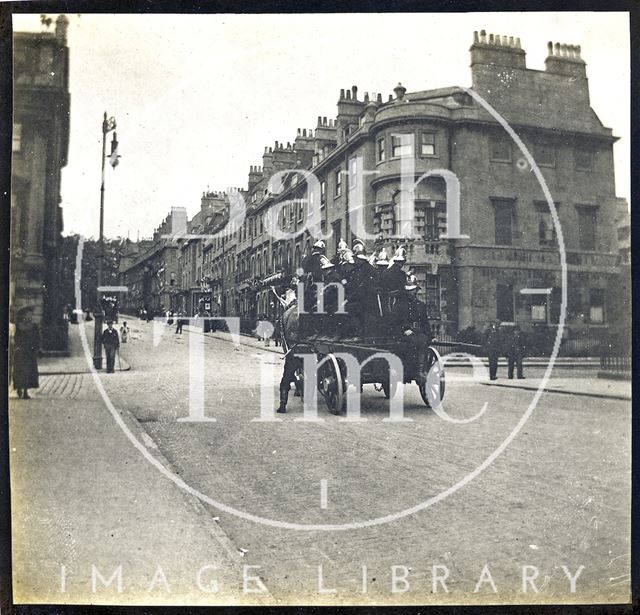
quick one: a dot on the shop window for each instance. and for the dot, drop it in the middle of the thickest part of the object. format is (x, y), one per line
(402, 145)
(596, 305)
(432, 292)
(500, 149)
(504, 302)
(539, 308)
(428, 144)
(503, 219)
(587, 224)
(547, 236)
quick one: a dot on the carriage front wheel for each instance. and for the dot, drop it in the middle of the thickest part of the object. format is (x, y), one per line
(432, 390)
(331, 384)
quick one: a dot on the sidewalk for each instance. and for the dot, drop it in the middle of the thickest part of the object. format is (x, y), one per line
(84, 496)
(77, 362)
(589, 387)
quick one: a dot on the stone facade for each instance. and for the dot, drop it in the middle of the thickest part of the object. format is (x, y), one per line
(40, 146)
(513, 244)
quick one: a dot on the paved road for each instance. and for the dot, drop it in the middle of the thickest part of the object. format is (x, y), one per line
(557, 496)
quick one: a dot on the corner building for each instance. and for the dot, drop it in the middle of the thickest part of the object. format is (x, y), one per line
(39, 153)
(513, 243)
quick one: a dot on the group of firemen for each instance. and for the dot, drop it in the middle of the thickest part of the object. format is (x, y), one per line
(376, 291)
(362, 295)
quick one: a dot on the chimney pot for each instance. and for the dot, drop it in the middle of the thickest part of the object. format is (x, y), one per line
(299, 132)
(341, 93)
(557, 48)
(366, 97)
(348, 94)
(475, 37)
(490, 39)
(354, 92)
(550, 48)
(511, 41)
(518, 46)
(390, 97)
(483, 36)
(505, 41)
(399, 91)
(310, 132)
(578, 51)
(319, 120)
(324, 121)
(379, 98)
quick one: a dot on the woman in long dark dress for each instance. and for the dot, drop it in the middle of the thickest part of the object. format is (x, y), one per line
(25, 354)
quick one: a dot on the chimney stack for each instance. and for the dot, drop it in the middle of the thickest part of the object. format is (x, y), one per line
(565, 59)
(497, 50)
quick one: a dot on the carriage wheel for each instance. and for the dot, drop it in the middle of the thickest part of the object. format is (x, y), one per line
(434, 386)
(331, 384)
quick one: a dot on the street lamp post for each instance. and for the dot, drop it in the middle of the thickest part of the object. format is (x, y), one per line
(107, 126)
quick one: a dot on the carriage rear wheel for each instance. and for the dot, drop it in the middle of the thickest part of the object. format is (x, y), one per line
(432, 390)
(331, 384)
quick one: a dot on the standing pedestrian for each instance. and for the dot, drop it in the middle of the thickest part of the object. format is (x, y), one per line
(492, 345)
(111, 343)
(515, 352)
(26, 345)
(179, 322)
(124, 332)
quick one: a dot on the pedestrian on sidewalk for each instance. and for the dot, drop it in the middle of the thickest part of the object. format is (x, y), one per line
(179, 322)
(493, 347)
(124, 332)
(26, 346)
(516, 350)
(111, 343)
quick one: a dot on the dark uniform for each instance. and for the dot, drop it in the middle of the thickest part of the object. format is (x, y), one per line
(361, 294)
(493, 347)
(291, 364)
(412, 322)
(391, 282)
(516, 352)
(111, 343)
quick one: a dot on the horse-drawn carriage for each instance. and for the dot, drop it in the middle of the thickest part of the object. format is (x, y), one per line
(414, 362)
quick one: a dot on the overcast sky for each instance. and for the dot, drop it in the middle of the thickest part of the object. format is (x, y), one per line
(197, 97)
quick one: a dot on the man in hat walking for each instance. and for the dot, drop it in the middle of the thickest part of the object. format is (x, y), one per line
(493, 347)
(111, 343)
(516, 352)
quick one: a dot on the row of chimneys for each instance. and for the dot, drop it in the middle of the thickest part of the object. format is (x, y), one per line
(277, 145)
(564, 51)
(255, 169)
(496, 39)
